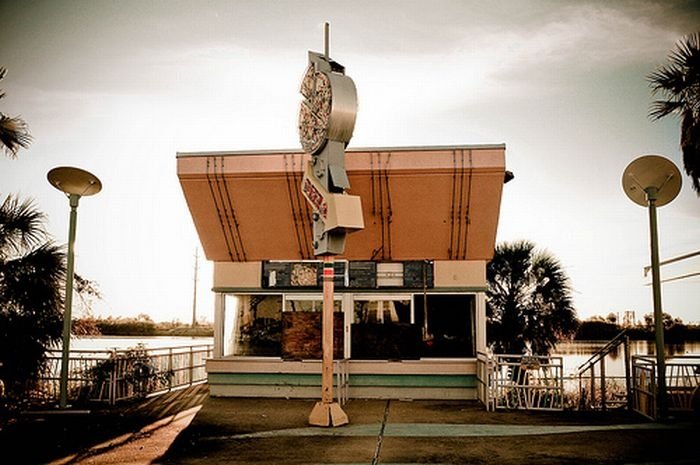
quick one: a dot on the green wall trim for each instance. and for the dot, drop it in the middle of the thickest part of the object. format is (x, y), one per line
(378, 290)
(463, 381)
(368, 380)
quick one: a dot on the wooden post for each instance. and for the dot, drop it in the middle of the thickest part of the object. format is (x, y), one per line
(327, 330)
(326, 412)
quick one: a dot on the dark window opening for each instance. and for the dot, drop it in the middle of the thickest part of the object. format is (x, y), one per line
(448, 330)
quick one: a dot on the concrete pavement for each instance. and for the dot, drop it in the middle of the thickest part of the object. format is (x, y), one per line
(187, 427)
(275, 431)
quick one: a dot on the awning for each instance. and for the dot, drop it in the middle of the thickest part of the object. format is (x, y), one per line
(438, 203)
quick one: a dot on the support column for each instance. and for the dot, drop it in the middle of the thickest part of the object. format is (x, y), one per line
(480, 322)
(219, 318)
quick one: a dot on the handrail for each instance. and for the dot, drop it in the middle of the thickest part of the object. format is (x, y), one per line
(603, 351)
(589, 366)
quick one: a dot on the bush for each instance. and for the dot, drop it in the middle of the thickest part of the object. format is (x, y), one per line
(137, 375)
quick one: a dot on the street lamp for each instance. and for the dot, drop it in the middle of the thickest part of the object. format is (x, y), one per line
(75, 183)
(653, 181)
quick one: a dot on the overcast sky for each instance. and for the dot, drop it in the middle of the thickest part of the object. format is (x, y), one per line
(118, 87)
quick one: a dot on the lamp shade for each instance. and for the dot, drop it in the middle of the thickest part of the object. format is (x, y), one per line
(74, 181)
(651, 171)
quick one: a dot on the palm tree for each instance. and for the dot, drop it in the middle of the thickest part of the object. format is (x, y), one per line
(32, 273)
(679, 85)
(13, 131)
(529, 306)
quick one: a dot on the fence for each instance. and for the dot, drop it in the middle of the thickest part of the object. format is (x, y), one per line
(682, 384)
(115, 375)
(520, 382)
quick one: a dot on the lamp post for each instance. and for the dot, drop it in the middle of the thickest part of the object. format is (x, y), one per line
(75, 183)
(653, 181)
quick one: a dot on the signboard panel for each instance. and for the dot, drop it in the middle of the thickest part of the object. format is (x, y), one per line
(308, 274)
(418, 274)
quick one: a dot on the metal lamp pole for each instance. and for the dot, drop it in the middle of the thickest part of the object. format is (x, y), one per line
(75, 183)
(651, 193)
(67, 315)
(653, 181)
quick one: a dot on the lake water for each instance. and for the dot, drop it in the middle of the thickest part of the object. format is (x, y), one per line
(122, 342)
(574, 353)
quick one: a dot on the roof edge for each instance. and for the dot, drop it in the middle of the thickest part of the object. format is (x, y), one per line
(351, 149)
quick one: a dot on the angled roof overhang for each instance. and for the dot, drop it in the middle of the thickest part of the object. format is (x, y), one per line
(439, 203)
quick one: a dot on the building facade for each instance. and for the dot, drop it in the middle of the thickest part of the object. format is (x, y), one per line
(409, 290)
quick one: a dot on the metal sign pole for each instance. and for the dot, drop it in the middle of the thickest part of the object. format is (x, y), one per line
(326, 123)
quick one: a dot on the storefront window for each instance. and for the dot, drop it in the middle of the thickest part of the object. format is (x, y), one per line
(446, 324)
(301, 327)
(256, 326)
(382, 330)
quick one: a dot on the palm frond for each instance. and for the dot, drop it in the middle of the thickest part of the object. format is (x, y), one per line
(669, 79)
(679, 84)
(3, 72)
(661, 108)
(21, 226)
(32, 283)
(690, 145)
(14, 135)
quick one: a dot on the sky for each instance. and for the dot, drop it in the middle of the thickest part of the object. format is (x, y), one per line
(119, 87)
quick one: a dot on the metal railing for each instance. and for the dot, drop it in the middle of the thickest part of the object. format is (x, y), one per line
(485, 372)
(342, 379)
(682, 384)
(599, 391)
(528, 382)
(114, 375)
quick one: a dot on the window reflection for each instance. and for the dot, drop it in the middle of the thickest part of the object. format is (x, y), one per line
(382, 330)
(257, 327)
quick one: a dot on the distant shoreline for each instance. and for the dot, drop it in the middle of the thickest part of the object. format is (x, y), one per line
(676, 333)
(141, 326)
